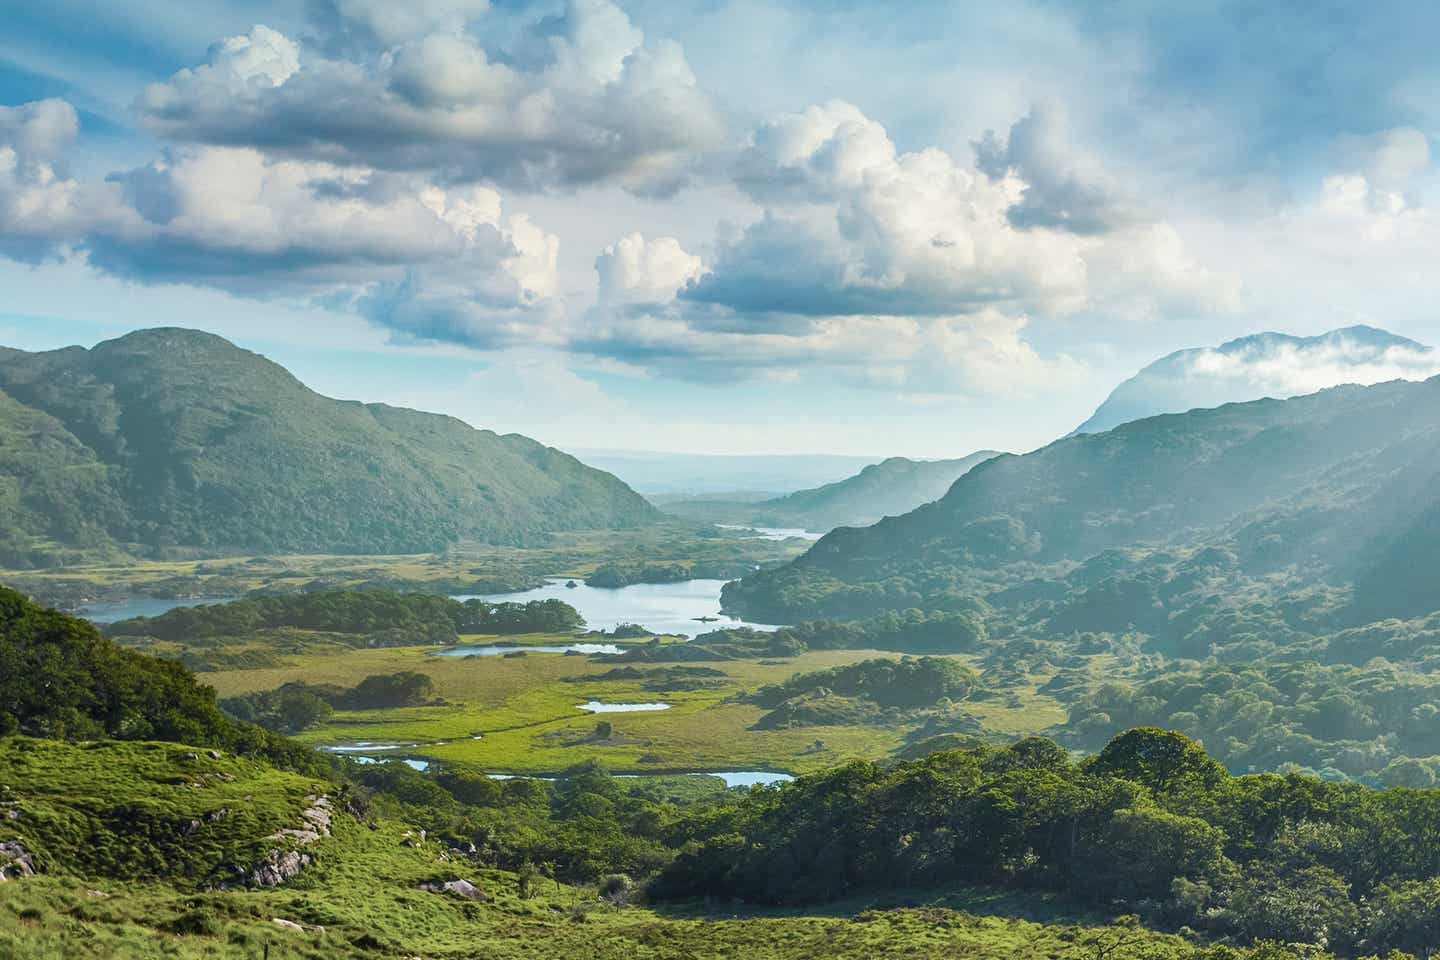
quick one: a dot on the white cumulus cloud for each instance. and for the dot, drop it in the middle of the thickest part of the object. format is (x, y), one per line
(581, 98)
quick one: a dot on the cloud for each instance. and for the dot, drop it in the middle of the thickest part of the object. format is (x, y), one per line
(1064, 189)
(428, 261)
(854, 227)
(41, 207)
(1269, 366)
(634, 270)
(641, 320)
(381, 24)
(904, 271)
(578, 99)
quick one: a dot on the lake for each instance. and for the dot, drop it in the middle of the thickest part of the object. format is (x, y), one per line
(732, 778)
(772, 533)
(668, 608)
(112, 610)
(500, 649)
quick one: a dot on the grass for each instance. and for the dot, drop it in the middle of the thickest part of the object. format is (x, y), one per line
(524, 709)
(143, 810)
(360, 898)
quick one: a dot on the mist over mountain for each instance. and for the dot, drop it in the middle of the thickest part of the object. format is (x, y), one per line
(1263, 365)
(893, 486)
(175, 439)
(659, 473)
(1337, 491)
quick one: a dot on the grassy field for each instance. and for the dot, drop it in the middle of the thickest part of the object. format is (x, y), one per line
(520, 714)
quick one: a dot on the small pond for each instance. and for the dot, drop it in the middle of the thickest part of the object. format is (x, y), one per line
(595, 706)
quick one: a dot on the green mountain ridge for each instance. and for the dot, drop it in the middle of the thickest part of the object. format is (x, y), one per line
(1336, 490)
(891, 487)
(173, 438)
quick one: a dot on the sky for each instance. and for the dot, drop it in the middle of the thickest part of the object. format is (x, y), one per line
(721, 226)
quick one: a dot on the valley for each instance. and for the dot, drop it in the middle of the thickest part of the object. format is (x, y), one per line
(1052, 713)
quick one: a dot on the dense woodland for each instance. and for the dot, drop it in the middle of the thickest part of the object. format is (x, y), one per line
(385, 618)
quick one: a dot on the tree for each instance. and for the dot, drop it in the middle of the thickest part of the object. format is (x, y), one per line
(1166, 761)
(1140, 851)
(1405, 917)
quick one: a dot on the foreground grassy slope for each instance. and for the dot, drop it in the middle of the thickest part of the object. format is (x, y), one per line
(144, 810)
(176, 438)
(86, 808)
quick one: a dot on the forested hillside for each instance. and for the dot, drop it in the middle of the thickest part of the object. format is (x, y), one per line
(1330, 500)
(174, 439)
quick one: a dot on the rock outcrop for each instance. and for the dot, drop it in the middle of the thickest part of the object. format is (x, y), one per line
(15, 861)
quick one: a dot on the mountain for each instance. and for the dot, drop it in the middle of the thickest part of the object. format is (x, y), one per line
(1264, 365)
(691, 474)
(174, 438)
(1163, 524)
(890, 487)
(883, 489)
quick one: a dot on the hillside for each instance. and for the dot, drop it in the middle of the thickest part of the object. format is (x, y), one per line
(891, 487)
(174, 439)
(1264, 365)
(1128, 529)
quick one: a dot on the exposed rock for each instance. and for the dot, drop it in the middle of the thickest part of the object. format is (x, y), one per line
(213, 754)
(15, 861)
(298, 927)
(316, 823)
(463, 889)
(277, 867)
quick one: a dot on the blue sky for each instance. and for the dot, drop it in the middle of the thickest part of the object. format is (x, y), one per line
(720, 225)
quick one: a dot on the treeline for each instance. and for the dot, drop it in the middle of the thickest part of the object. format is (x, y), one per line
(60, 678)
(878, 691)
(903, 631)
(1150, 824)
(389, 619)
(298, 706)
(906, 683)
(1380, 724)
(614, 575)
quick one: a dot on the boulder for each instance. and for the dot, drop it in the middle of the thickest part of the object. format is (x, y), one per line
(15, 861)
(277, 867)
(457, 887)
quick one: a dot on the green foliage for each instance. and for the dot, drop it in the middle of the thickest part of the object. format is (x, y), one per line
(175, 438)
(1371, 721)
(1152, 822)
(384, 618)
(905, 683)
(60, 678)
(143, 809)
(1271, 502)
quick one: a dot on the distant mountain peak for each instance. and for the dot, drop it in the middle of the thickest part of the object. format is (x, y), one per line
(1268, 364)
